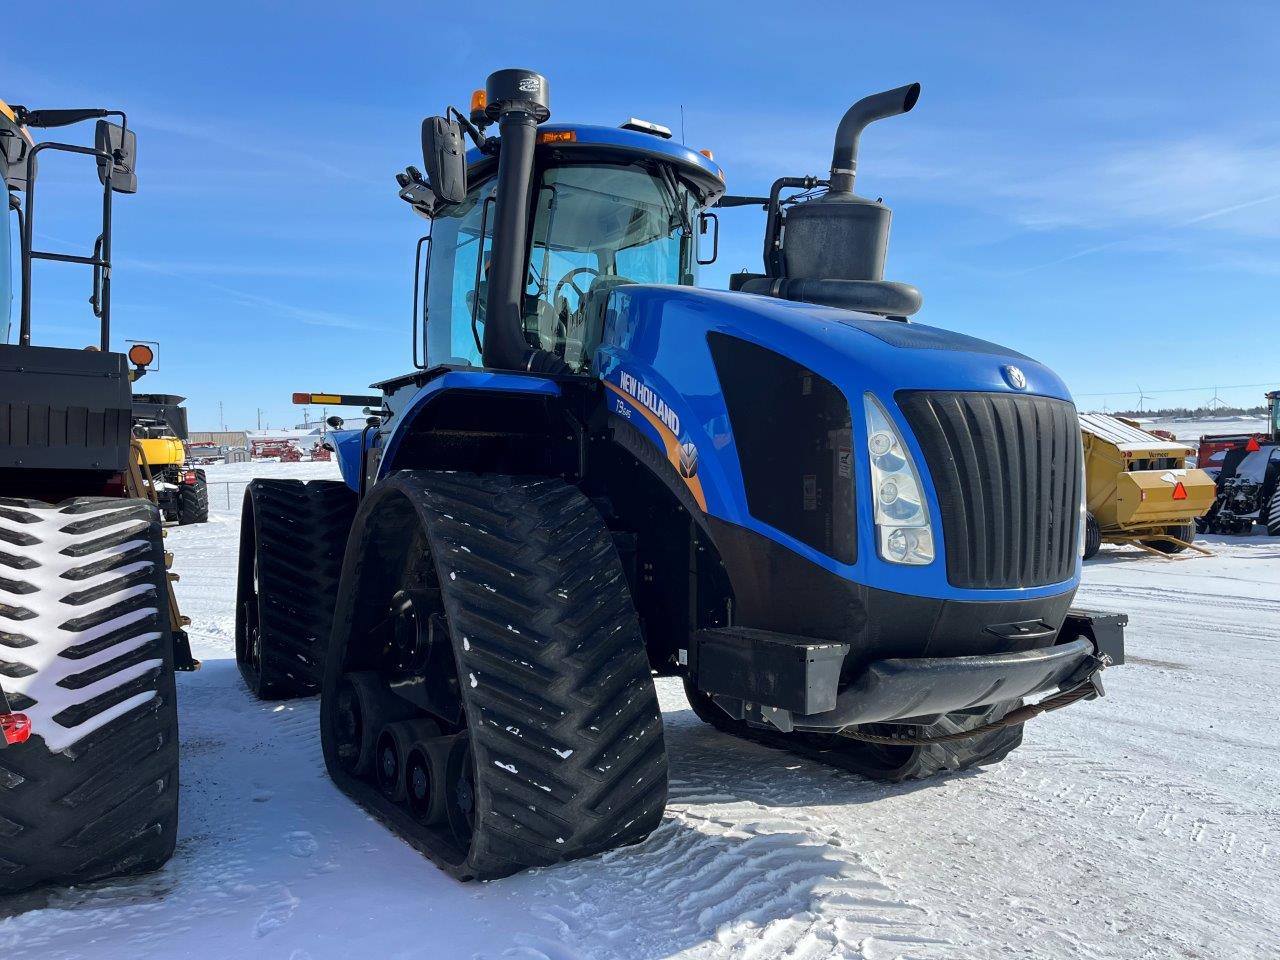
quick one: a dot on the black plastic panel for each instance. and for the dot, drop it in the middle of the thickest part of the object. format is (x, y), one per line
(792, 432)
(1006, 468)
(777, 589)
(776, 669)
(63, 409)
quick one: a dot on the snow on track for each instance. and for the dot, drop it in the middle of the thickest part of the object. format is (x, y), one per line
(1145, 825)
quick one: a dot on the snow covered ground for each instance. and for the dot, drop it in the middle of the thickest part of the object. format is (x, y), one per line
(1144, 825)
(1190, 431)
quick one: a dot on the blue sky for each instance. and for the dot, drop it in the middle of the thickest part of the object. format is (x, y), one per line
(1097, 185)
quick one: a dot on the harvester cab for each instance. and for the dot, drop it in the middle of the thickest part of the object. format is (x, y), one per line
(90, 629)
(850, 536)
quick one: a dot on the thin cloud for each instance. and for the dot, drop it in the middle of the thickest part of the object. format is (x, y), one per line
(196, 268)
(291, 311)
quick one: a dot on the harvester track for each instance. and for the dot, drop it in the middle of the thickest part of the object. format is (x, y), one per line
(86, 653)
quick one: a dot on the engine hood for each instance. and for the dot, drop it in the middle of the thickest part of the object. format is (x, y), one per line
(856, 351)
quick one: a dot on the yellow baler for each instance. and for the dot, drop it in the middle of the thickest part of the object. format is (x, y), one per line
(1138, 487)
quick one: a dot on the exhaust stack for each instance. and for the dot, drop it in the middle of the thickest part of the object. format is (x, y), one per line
(878, 106)
(833, 247)
(517, 100)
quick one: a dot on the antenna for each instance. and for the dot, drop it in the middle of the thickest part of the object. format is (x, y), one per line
(682, 136)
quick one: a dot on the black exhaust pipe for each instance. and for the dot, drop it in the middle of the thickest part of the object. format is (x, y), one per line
(844, 161)
(517, 100)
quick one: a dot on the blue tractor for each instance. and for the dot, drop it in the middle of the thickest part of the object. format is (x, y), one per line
(851, 535)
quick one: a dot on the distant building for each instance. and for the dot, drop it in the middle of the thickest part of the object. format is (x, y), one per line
(297, 435)
(219, 438)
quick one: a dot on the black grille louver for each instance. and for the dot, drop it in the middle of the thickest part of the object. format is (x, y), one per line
(1006, 468)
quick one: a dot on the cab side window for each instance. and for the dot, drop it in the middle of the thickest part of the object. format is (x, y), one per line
(460, 242)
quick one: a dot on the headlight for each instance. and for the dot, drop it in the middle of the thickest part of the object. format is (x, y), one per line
(903, 531)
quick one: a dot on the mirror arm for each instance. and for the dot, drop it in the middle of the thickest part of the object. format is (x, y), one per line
(478, 138)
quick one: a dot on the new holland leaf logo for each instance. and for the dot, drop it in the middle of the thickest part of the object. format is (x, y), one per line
(688, 460)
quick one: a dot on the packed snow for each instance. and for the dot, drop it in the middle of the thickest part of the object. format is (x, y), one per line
(1144, 825)
(1190, 430)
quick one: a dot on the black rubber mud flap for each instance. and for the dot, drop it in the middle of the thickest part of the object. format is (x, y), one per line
(292, 539)
(499, 606)
(86, 653)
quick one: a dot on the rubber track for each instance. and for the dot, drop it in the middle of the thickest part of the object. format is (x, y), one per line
(300, 533)
(566, 732)
(833, 751)
(88, 654)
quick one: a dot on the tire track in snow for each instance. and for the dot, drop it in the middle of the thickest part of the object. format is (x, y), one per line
(732, 874)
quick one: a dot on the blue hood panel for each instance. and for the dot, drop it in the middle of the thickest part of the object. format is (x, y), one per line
(655, 359)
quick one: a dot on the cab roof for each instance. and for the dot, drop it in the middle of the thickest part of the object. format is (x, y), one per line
(589, 137)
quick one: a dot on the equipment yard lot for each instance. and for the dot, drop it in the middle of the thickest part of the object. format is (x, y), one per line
(1143, 825)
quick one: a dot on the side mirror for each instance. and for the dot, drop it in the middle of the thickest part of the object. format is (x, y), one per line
(123, 145)
(12, 147)
(445, 158)
(705, 223)
(335, 422)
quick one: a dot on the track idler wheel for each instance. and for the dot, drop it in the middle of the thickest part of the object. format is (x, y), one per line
(364, 707)
(392, 753)
(428, 788)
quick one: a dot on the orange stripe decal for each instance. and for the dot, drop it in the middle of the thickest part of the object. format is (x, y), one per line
(669, 440)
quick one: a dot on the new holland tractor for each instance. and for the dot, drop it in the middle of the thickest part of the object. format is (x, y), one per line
(89, 630)
(851, 535)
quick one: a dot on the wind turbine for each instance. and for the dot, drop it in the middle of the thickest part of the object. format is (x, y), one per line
(1216, 400)
(1142, 398)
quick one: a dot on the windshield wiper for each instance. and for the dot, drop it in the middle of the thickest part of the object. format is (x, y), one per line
(669, 179)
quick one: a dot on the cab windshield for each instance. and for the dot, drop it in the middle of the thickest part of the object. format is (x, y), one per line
(597, 227)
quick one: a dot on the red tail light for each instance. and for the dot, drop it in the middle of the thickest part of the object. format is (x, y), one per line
(190, 477)
(15, 728)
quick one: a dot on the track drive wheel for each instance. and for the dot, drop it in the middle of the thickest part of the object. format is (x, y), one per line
(86, 653)
(499, 606)
(292, 539)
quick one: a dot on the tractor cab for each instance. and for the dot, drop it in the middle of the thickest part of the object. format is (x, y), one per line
(602, 207)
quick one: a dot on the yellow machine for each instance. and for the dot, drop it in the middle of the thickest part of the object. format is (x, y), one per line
(159, 429)
(1139, 489)
(162, 452)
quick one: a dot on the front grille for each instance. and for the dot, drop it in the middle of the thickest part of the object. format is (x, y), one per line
(1006, 469)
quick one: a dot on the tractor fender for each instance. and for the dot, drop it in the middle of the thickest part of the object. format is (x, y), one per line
(453, 382)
